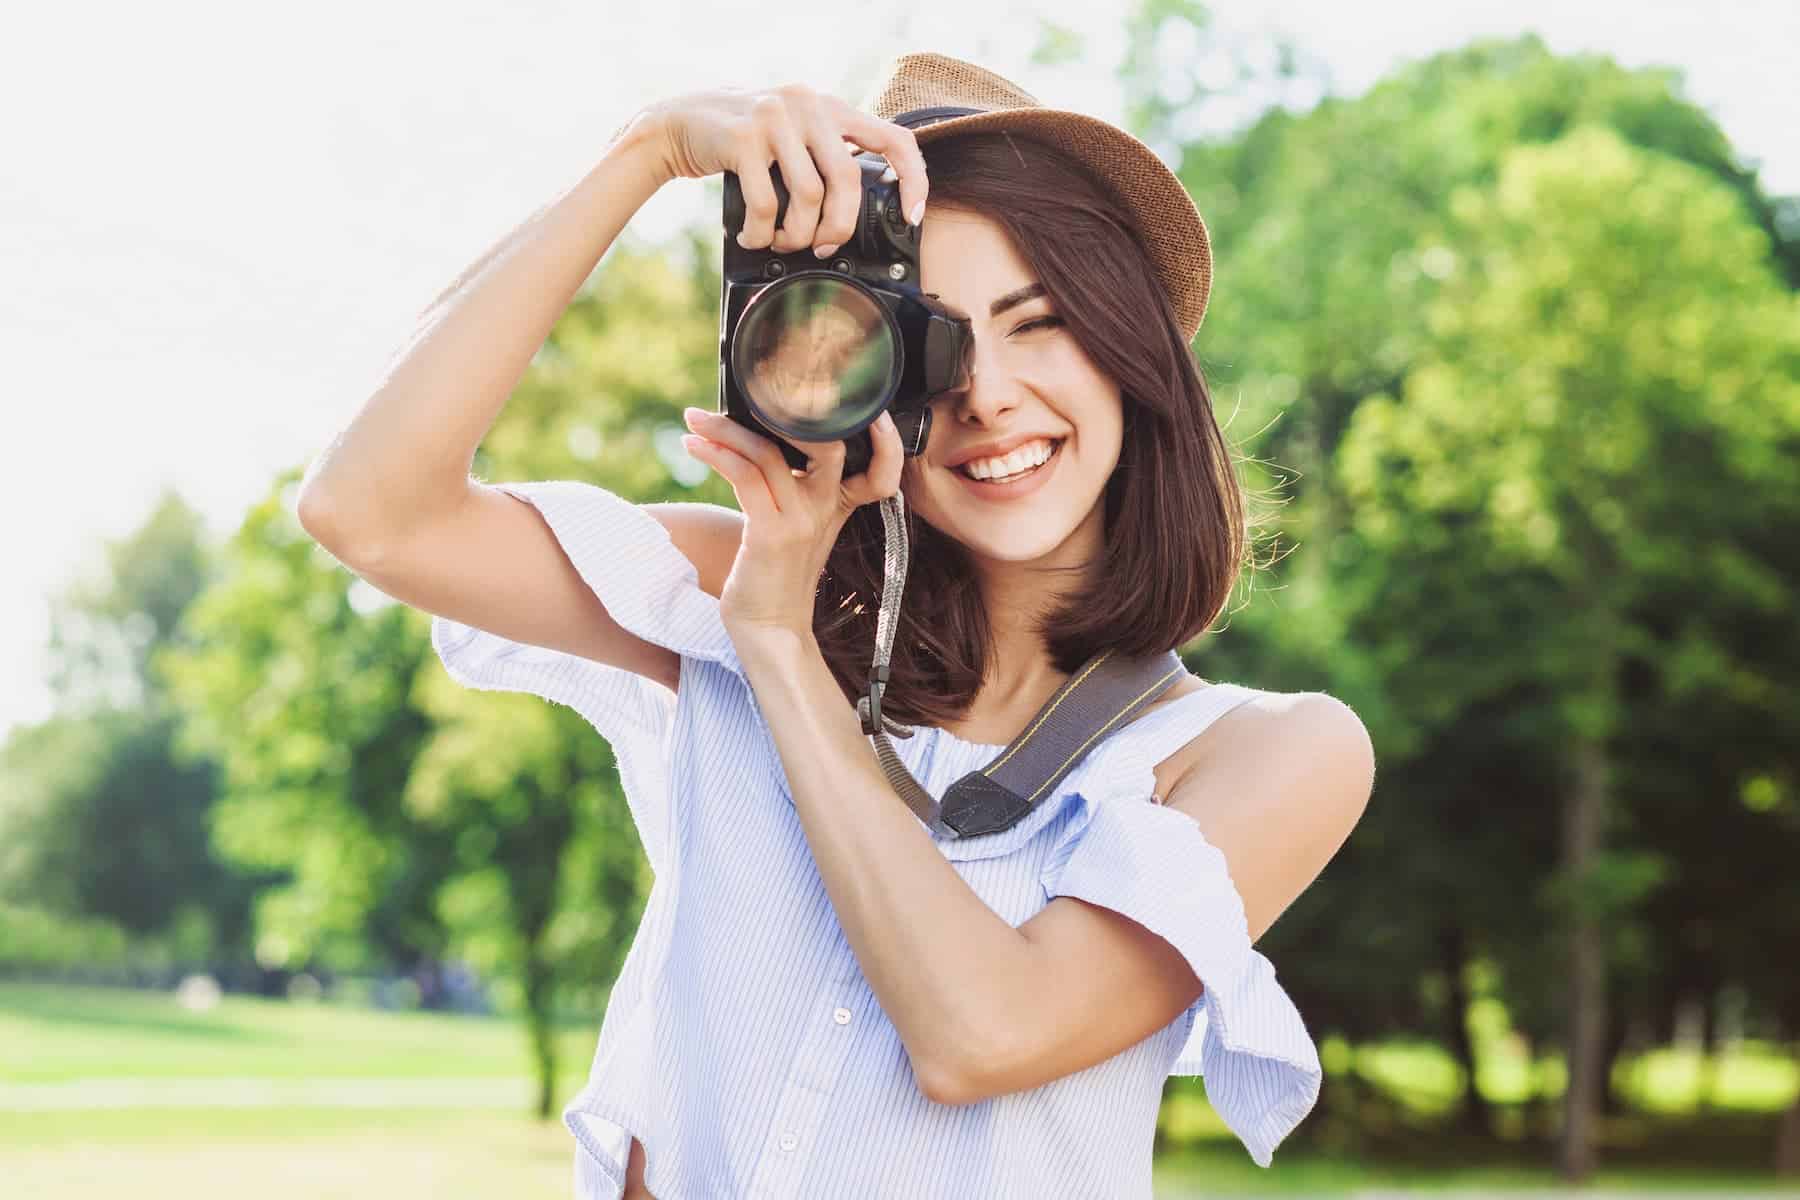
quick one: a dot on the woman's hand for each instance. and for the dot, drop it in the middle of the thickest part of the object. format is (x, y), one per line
(791, 518)
(813, 137)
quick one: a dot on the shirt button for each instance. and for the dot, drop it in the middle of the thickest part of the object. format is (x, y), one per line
(841, 1016)
(789, 1141)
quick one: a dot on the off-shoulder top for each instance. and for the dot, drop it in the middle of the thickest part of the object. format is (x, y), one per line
(742, 1044)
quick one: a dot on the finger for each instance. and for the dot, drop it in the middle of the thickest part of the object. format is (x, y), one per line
(746, 480)
(889, 459)
(753, 158)
(843, 189)
(825, 468)
(897, 144)
(805, 188)
(752, 447)
(886, 457)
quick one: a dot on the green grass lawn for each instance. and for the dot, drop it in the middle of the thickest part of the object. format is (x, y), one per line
(277, 1154)
(51, 1033)
(322, 1154)
(54, 1038)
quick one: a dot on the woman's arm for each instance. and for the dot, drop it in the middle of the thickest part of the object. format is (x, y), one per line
(1276, 790)
(982, 1007)
(936, 956)
(405, 456)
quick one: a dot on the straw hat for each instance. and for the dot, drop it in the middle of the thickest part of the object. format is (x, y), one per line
(938, 97)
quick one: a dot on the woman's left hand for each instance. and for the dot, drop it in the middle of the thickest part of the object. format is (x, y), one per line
(791, 518)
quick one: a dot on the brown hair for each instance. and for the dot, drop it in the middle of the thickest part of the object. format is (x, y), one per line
(1176, 536)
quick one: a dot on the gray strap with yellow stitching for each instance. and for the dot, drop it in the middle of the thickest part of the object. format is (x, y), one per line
(1099, 698)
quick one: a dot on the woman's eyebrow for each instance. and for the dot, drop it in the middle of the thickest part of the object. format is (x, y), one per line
(1015, 298)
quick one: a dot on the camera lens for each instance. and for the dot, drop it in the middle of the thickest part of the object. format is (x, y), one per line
(816, 356)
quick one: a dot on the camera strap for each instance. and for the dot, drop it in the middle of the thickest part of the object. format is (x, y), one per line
(1099, 698)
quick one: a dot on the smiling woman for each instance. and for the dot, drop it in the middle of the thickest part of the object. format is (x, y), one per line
(828, 996)
(1135, 529)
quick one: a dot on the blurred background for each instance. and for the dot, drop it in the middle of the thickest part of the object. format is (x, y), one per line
(1504, 324)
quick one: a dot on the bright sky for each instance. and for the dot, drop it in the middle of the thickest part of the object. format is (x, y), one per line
(218, 219)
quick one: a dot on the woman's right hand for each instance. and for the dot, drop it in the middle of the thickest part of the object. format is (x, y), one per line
(812, 137)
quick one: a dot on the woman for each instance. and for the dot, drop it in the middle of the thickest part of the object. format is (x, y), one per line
(824, 998)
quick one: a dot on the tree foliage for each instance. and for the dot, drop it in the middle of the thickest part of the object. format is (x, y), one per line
(1511, 342)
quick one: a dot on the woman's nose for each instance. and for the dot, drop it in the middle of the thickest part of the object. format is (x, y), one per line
(985, 395)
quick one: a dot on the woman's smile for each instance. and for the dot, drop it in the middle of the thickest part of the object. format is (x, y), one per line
(1013, 487)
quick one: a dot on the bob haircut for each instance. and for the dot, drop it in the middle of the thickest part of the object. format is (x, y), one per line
(1175, 525)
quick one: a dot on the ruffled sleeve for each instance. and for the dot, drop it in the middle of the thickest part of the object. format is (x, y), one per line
(1151, 863)
(650, 588)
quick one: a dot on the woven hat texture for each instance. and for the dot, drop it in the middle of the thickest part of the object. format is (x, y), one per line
(1163, 212)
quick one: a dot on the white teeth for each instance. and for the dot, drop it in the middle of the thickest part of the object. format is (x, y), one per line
(1029, 455)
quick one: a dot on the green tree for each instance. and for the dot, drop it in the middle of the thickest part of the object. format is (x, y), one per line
(1602, 423)
(416, 818)
(100, 816)
(294, 680)
(1333, 234)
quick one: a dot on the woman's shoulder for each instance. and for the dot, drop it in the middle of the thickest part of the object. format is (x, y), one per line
(1253, 705)
(1261, 722)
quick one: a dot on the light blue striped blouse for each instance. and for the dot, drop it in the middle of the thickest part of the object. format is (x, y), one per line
(742, 1044)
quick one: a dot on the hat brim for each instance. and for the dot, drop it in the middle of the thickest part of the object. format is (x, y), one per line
(1170, 226)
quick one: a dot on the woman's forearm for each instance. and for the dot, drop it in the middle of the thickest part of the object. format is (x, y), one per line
(933, 951)
(406, 454)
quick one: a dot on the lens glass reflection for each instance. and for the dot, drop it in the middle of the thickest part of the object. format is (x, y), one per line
(816, 356)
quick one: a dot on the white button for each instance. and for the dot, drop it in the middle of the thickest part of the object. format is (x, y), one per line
(789, 1141)
(841, 1016)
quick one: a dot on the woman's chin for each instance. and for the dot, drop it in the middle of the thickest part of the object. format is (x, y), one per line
(996, 533)
(990, 542)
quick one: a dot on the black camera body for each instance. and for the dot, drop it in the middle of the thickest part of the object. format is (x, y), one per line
(855, 330)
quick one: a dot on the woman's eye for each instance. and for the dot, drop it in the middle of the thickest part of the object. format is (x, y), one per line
(1039, 323)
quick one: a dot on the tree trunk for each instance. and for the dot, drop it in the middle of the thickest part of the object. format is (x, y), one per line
(1475, 1118)
(538, 1023)
(1585, 1014)
(1706, 1086)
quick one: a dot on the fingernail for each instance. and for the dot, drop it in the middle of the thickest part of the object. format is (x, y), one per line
(741, 241)
(917, 214)
(822, 251)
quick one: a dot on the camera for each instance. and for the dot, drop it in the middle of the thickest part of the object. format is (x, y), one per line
(816, 350)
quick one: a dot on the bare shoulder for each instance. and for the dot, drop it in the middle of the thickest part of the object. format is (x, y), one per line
(707, 534)
(1278, 784)
(1272, 722)
(1267, 727)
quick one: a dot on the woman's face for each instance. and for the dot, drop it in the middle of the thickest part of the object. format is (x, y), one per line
(1029, 379)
